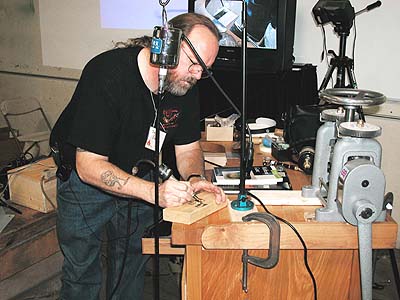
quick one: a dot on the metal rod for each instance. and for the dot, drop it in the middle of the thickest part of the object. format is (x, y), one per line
(156, 261)
(40, 75)
(242, 189)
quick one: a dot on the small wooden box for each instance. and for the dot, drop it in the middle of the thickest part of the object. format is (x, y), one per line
(34, 185)
(224, 134)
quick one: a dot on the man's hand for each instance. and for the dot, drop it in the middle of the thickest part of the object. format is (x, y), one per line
(174, 193)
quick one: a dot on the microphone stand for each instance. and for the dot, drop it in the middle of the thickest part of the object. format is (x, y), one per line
(156, 159)
(242, 203)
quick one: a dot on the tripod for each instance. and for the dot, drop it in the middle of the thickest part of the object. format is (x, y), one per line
(343, 64)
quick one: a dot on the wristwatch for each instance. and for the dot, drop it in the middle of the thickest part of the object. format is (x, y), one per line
(196, 175)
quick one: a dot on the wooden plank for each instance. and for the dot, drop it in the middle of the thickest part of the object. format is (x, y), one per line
(271, 197)
(255, 235)
(315, 233)
(39, 273)
(165, 247)
(18, 258)
(189, 213)
(26, 226)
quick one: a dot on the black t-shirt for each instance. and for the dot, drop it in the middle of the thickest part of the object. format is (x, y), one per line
(111, 111)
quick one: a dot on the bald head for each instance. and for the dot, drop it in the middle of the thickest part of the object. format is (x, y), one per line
(204, 42)
(186, 22)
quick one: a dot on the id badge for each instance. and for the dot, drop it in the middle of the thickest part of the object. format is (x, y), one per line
(151, 139)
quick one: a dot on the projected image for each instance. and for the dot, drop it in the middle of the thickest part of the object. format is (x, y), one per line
(227, 15)
(133, 14)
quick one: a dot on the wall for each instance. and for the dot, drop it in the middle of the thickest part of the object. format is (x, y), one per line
(388, 117)
(22, 72)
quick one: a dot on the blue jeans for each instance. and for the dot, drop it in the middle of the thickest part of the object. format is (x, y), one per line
(84, 212)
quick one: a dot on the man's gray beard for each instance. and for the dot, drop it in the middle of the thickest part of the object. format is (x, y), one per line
(178, 90)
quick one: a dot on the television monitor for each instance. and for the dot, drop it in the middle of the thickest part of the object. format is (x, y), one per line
(270, 32)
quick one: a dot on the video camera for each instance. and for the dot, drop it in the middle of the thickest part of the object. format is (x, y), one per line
(339, 12)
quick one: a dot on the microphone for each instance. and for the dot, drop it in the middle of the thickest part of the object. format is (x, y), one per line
(165, 50)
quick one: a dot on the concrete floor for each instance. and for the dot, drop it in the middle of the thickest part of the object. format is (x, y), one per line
(42, 281)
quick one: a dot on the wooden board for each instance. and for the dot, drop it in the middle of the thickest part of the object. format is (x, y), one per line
(34, 185)
(189, 213)
(278, 197)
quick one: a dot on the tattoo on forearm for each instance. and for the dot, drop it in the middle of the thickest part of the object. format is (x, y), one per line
(80, 150)
(109, 179)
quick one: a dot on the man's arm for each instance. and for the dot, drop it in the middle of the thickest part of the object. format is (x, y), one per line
(190, 160)
(96, 170)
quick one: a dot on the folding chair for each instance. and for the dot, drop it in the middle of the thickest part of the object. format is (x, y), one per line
(27, 123)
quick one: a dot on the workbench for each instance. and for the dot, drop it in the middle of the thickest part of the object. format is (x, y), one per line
(213, 270)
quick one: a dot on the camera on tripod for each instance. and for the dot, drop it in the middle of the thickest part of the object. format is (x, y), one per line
(339, 12)
(299, 135)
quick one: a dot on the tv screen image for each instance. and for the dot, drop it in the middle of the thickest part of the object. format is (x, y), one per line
(227, 16)
(270, 32)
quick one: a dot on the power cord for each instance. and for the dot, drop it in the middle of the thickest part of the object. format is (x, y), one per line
(300, 238)
(43, 179)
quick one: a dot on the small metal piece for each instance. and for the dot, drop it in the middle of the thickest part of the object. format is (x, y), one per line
(135, 170)
(322, 183)
(245, 270)
(165, 172)
(197, 201)
(332, 114)
(360, 123)
(360, 130)
(388, 201)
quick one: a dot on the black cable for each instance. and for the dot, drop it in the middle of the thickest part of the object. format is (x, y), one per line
(300, 238)
(354, 51)
(203, 65)
(5, 204)
(212, 163)
(128, 225)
